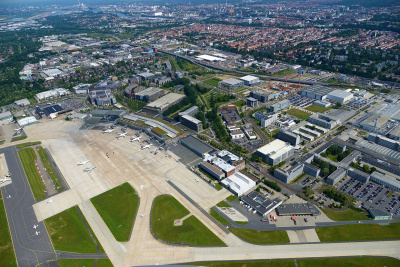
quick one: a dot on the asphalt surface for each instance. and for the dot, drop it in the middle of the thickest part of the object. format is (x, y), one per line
(30, 249)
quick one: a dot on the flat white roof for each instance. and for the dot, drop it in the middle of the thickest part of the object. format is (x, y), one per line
(249, 78)
(239, 183)
(274, 146)
(340, 93)
(165, 100)
(209, 58)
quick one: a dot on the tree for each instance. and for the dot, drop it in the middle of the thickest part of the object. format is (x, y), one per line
(366, 168)
(373, 169)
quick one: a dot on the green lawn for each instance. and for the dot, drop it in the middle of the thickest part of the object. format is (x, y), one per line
(166, 209)
(27, 157)
(212, 81)
(27, 144)
(119, 218)
(269, 263)
(19, 138)
(262, 237)
(45, 159)
(219, 217)
(316, 108)
(298, 113)
(358, 232)
(298, 178)
(326, 262)
(354, 262)
(241, 222)
(283, 73)
(85, 262)
(231, 198)
(347, 215)
(68, 233)
(332, 157)
(7, 255)
(223, 204)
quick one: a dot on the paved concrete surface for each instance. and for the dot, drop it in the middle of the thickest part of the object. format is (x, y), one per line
(153, 175)
(303, 236)
(233, 214)
(4, 170)
(30, 249)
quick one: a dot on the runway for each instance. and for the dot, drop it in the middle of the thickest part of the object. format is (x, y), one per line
(30, 249)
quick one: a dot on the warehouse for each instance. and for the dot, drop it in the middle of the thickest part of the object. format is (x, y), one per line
(261, 204)
(196, 146)
(163, 103)
(26, 121)
(6, 116)
(45, 112)
(150, 94)
(250, 80)
(22, 102)
(231, 84)
(303, 209)
(209, 58)
(378, 214)
(386, 180)
(275, 152)
(340, 96)
(315, 91)
(212, 170)
(381, 150)
(261, 95)
(238, 183)
(375, 123)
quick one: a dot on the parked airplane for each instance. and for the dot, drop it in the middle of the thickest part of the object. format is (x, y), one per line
(90, 169)
(9, 196)
(35, 226)
(197, 180)
(37, 233)
(18, 130)
(144, 147)
(50, 200)
(142, 215)
(136, 139)
(121, 135)
(4, 180)
(83, 162)
(108, 131)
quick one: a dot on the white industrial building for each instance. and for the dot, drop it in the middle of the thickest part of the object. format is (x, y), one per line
(22, 102)
(250, 80)
(209, 58)
(238, 183)
(51, 93)
(340, 96)
(316, 91)
(26, 121)
(275, 152)
(231, 83)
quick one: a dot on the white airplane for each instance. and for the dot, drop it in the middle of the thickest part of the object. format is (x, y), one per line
(142, 215)
(35, 226)
(136, 139)
(141, 187)
(144, 147)
(4, 180)
(197, 180)
(9, 196)
(37, 233)
(50, 200)
(83, 162)
(108, 131)
(121, 135)
(90, 169)
(18, 130)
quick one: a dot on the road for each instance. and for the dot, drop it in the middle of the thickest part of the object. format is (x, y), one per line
(30, 249)
(272, 78)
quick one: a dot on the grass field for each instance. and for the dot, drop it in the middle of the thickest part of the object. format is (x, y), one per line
(328, 262)
(219, 217)
(45, 159)
(213, 81)
(85, 262)
(298, 113)
(68, 233)
(316, 108)
(356, 261)
(27, 144)
(283, 73)
(166, 209)
(223, 204)
(19, 138)
(7, 255)
(262, 237)
(358, 232)
(119, 218)
(231, 198)
(347, 215)
(27, 157)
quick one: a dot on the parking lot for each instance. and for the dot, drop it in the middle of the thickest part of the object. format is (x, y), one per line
(357, 104)
(371, 195)
(301, 101)
(249, 145)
